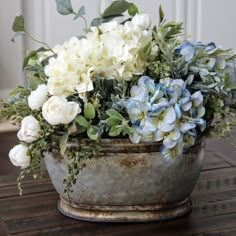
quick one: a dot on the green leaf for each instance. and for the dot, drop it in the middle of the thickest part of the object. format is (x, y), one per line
(64, 7)
(34, 82)
(82, 121)
(147, 49)
(133, 10)
(128, 129)
(31, 55)
(96, 22)
(115, 114)
(36, 69)
(89, 111)
(63, 142)
(80, 13)
(92, 132)
(115, 131)
(81, 129)
(27, 58)
(116, 8)
(111, 121)
(161, 15)
(20, 90)
(18, 24)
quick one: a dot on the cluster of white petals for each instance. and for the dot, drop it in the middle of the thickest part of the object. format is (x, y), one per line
(37, 97)
(112, 51)
(57, 110)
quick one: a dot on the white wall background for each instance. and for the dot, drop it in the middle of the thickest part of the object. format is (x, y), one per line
(204, 20)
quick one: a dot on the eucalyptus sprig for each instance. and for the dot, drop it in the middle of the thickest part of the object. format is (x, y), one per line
(19, 29)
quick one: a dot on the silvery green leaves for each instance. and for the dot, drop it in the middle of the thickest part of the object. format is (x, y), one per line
(161, 15)
(18, 27)
(64, 7)
(84, 123)
(117, 124)
(116, 9)
(89, 111)
(81, 12)
(165, 112)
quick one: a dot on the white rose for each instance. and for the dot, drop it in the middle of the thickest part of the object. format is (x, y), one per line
(142, 20)
(38, 97)
(57, 110)
(19, 156)
(30, 129)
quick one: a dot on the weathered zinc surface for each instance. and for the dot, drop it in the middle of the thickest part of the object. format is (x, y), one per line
(129, 183)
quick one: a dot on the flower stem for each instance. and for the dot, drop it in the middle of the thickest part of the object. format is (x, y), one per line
(85, 21)
(37, 41)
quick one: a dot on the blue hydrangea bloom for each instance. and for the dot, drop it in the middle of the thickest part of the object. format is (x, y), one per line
(165, 111)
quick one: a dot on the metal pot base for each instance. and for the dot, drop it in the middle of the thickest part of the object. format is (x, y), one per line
(138, 213)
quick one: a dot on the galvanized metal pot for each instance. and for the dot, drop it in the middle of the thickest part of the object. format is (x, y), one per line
(129, 183)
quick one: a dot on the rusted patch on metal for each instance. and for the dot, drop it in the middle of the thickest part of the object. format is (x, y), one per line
(57, 155)
(130, 163)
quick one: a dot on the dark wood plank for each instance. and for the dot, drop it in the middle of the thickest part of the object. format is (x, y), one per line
(3, 230)
(224, 232)
(37, 223)
(7, 141)
(33, 209)
(27, 199)
(216, 180)
(178, 227)
(27, 189)
(213, 160)
(10, 180)
(226, 150)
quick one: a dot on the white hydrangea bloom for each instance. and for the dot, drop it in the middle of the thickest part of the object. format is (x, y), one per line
(112, 51)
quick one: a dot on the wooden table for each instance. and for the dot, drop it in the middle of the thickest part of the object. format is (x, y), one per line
(214, 206)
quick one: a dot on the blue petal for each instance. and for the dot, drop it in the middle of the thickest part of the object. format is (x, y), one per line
(139, 94)
(211, 47)
(158, 135)
(197, 98)
(177, 111)
(147, 83)
(178, 82)
(186, 106)
(135, 113)
(202, 124)
(135, 136)
(186, 93)
(158, 108)
(149, 125)
(175, 134)
(169, 143)
(184, 127)
(165, 127)
(201, 111)
(187, 51)
(158, 94)
(169, 115)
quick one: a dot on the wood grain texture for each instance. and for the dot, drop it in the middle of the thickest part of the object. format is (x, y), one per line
(35, 213)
